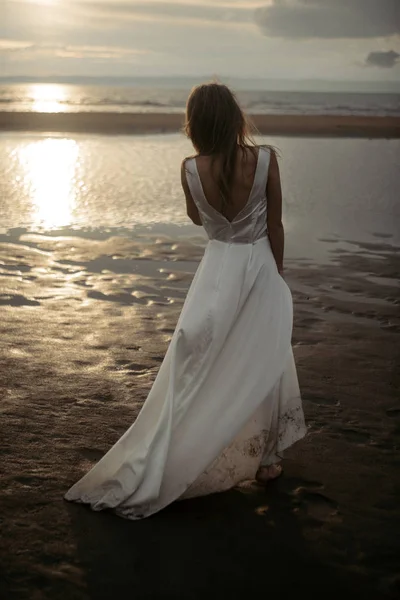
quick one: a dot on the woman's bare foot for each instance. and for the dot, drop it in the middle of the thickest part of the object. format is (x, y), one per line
(265, 474)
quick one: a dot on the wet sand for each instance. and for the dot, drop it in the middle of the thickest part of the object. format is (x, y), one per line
(129, 123)
(85, 323)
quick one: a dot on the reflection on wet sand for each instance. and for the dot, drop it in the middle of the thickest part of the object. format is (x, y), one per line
(48, 171)
(136, 269)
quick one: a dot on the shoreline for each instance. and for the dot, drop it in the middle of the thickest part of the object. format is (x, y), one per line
(140, 123)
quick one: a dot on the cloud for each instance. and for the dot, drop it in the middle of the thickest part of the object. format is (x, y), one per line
(330, 18)
(382, 59)
(196, 37)
(109, 52)
(32, 49)
(216, 12)
(14, 45)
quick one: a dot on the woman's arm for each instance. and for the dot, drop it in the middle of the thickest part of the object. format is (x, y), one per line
(191, 207)
(276, 233)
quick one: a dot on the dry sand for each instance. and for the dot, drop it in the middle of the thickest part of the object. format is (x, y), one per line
(128, 123)
(84, 326)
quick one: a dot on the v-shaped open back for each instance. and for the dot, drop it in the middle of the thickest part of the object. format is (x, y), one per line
(248, 199)
(249, 224)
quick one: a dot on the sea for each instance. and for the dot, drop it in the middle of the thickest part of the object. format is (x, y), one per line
(159, 96)
(336, 191)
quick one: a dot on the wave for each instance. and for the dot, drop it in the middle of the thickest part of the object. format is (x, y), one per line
(90, 99)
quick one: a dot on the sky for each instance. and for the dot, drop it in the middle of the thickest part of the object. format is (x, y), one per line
(343, 40)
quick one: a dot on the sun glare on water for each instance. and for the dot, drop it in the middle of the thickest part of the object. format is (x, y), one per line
(48, 97)
(49, 168)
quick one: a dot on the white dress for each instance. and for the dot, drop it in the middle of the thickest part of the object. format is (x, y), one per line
(226, 397)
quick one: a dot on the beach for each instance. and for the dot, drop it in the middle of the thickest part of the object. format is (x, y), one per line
(128, 123)
(82, 339)
(96, 257)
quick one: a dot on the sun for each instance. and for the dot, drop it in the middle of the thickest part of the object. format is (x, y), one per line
(47, 97)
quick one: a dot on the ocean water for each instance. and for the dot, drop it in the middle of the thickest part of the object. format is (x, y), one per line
(142, 98)
(341, 190)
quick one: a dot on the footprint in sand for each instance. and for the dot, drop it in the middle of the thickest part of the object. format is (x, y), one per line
(324, 400)
(393, 412)
(157, 358)
(298, 483)
(127, 365)
(390, 442)
(315, 505)
(105, 396)
(30, 480)
(137, 368)
(356, 436)
(166, 329)
(91, 453)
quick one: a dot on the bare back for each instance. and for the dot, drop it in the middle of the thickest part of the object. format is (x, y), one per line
(243, 179)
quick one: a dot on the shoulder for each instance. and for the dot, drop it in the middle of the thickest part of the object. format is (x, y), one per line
(186, 171)
(273, 167)
(265, 157)
(273, 158)
(269, 150)
(271, 155)
(259, 153)
(186, 161)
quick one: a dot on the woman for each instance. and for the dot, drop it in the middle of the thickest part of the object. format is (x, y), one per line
(226, 401)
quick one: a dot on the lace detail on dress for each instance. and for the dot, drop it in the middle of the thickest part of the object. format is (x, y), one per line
(291, 425)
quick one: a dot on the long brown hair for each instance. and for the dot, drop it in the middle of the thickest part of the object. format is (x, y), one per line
(218, 127)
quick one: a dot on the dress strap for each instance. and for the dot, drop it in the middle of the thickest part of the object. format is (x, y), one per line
(261, 175)
(194, 183)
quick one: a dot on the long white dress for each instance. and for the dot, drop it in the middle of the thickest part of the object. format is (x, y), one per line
(226, 397)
